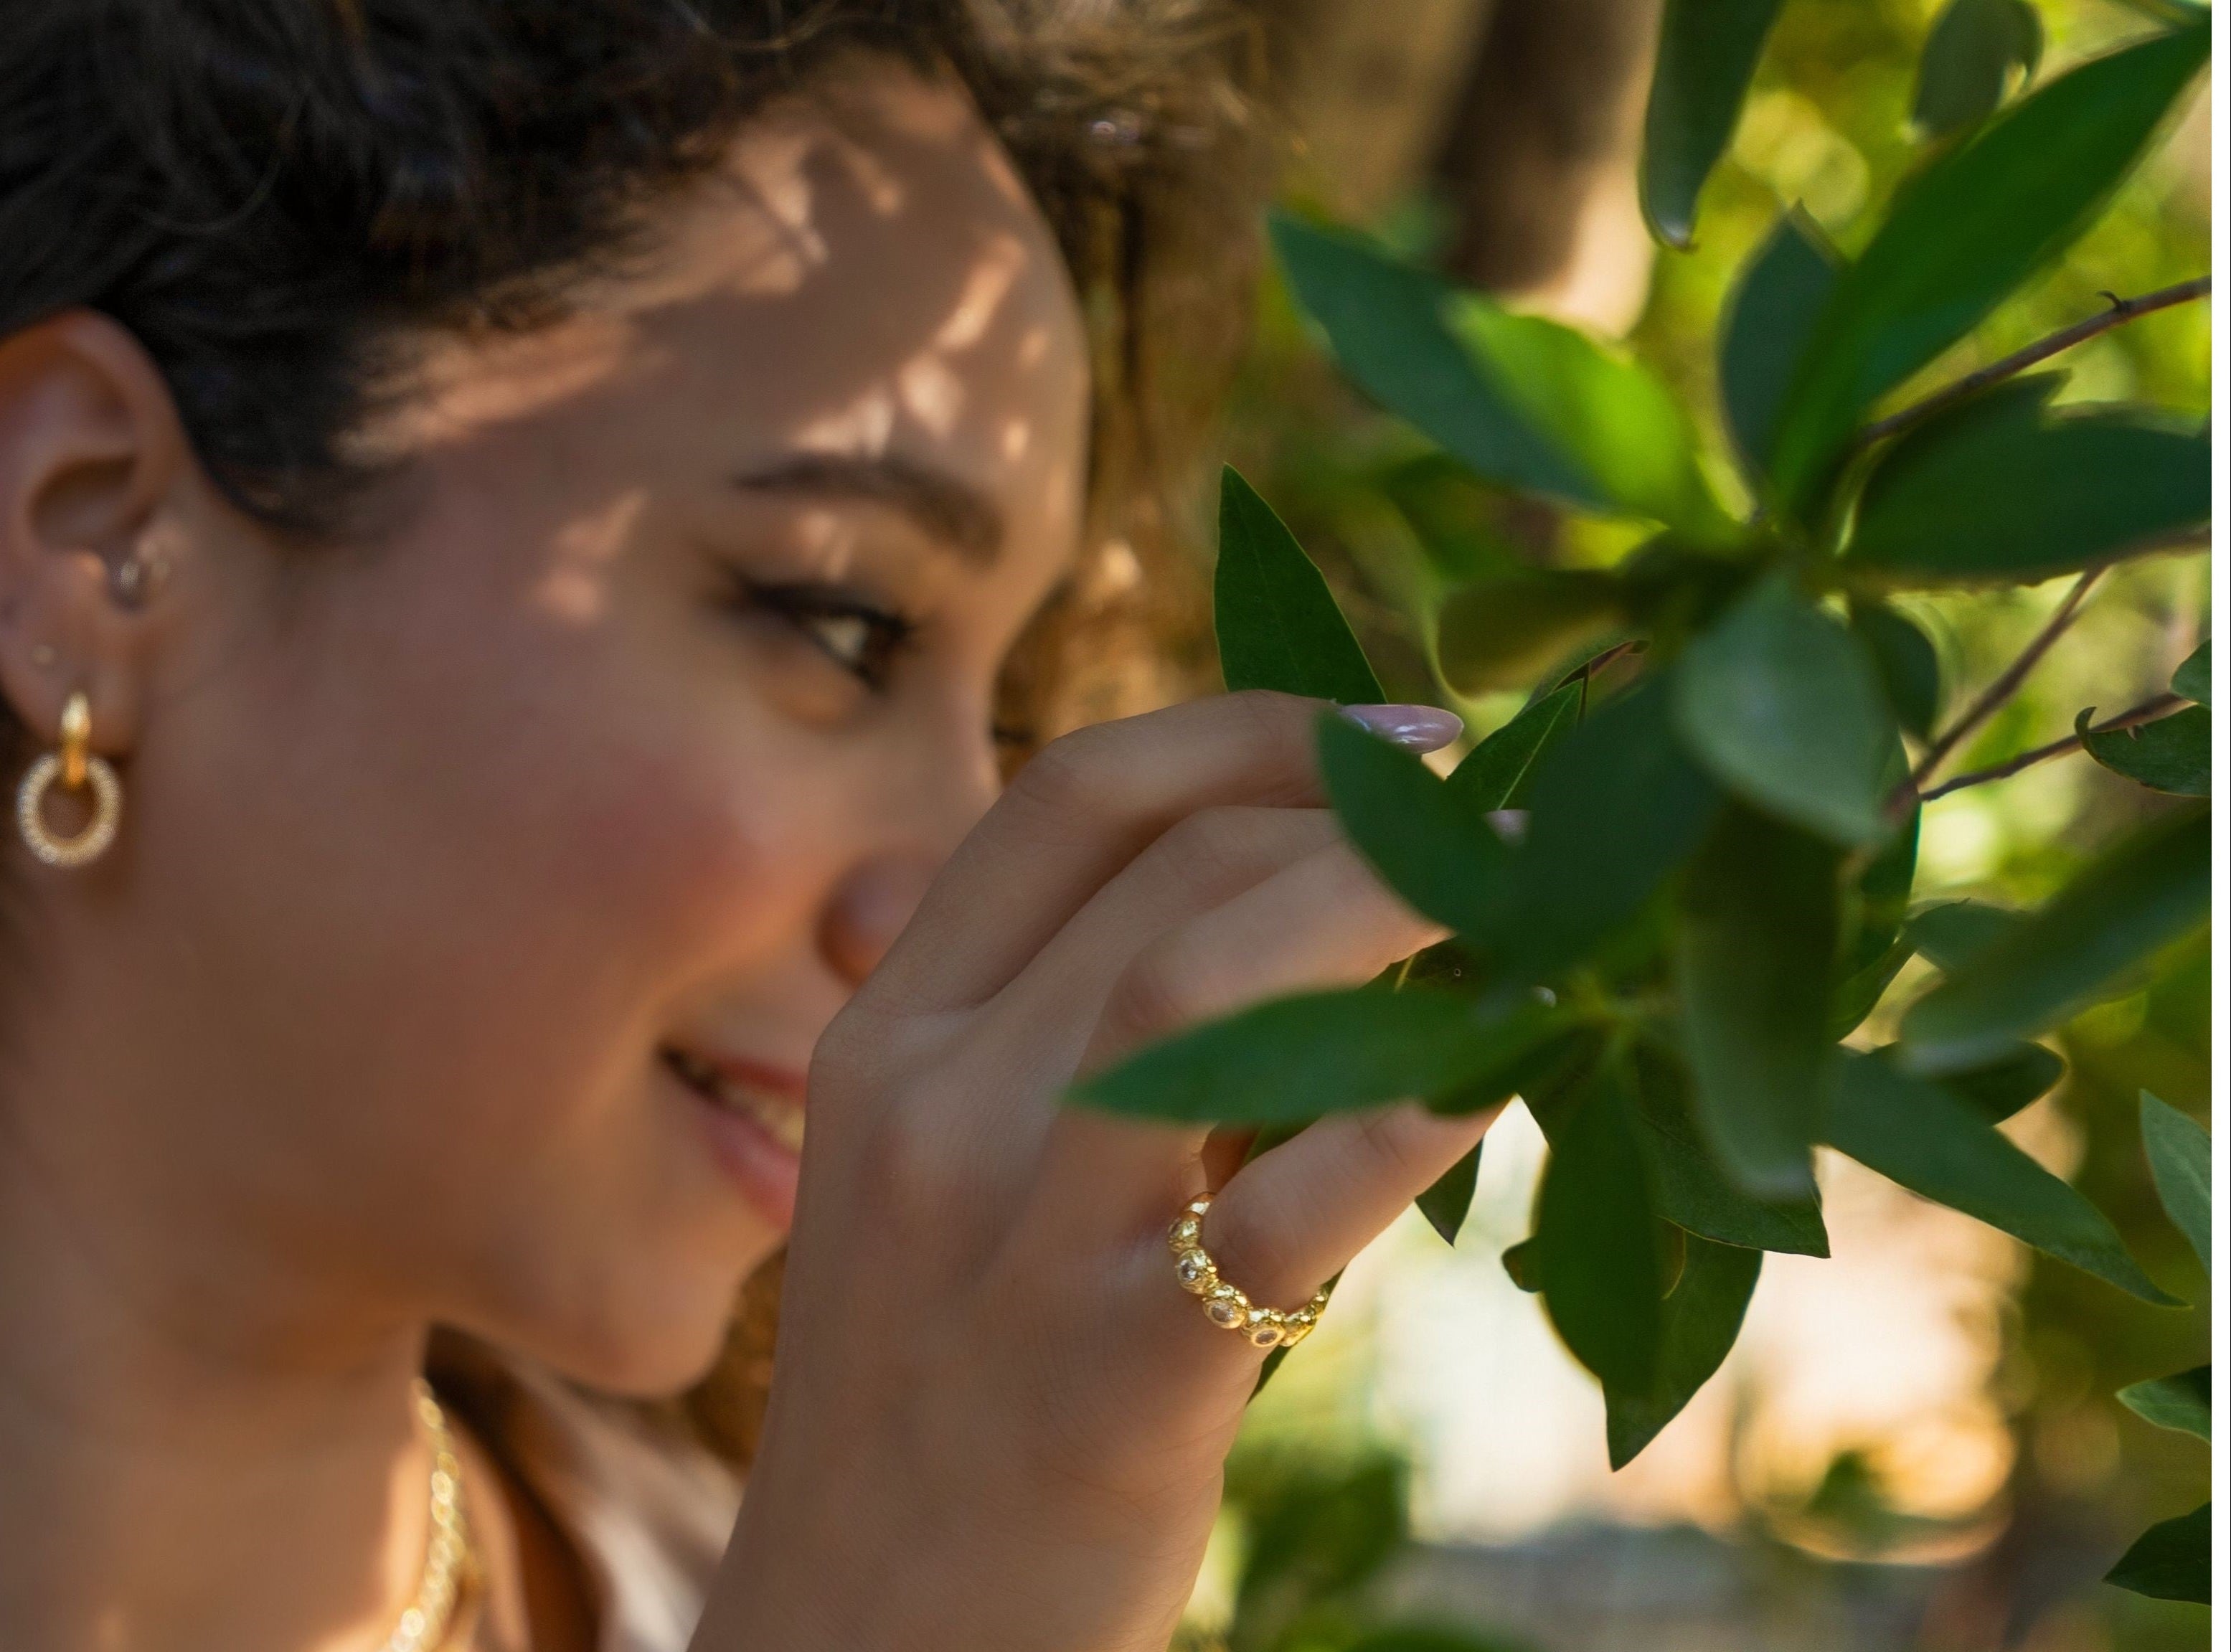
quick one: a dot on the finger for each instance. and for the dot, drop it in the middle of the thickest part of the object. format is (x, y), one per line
(1326, 921)
(1211, 856)
(1023, 1048)
(1083, 809)
(1290, 1220)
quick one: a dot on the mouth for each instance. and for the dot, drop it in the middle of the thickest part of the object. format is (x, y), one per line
(775, 1102)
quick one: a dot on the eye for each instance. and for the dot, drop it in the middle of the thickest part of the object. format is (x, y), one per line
(859, 635)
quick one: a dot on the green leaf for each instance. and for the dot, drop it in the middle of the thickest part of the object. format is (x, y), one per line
(1770, 322)
(1877, 948)
(1617, 805)
(2000, 1089)
(1542, 1046)
(2193, 680)
(2148, 890)
(1495, 771)
(1781, 703)
(1606, 411)
(1965, 232)
(1421, 1637)
(1905, 661)
(1448, 1201)
(2000, 489)
(1387, 326)
(1594, 1245)
(1754, 949)
(1277, 624)
(1973, 48)
(1688, 1188)
(1521, 1262)
(2177, 1148)
(1439, 857)
(1297, 1058)
(2169, 754)
(2170, 1561)
(1506, 632)
(1701, 1319)
(1926, 1139)
(1317, 1524)
(1949, 935)
(1707, 53)
(2184, 1402)
(1859, 991)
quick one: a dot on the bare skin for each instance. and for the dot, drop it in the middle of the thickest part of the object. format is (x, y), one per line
(486, 891)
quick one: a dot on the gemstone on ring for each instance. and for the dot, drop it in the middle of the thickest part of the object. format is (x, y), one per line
(1224, 1303)
(1195, 1272)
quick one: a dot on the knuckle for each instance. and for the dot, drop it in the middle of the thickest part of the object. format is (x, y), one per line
(1212, 849)
(1389, 1140)
(1255, 1244)
(1077, 774)
(1279, 716)
(1353, 887)
(1158, 992)
(1285, 725)
(906, 1170)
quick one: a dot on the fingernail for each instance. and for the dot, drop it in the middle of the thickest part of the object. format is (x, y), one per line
(1415, 728)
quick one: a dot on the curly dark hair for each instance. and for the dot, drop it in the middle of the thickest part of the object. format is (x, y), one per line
(272, 195)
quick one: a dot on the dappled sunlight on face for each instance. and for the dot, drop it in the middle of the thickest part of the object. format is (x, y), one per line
(862, 277)
(684, 643)
(574, 590)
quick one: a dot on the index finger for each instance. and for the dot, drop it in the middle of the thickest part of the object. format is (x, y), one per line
(1076, 816)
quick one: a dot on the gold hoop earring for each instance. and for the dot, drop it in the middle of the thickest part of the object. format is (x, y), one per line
(76, 768)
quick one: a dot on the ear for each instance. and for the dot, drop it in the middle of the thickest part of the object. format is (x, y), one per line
(93, 463)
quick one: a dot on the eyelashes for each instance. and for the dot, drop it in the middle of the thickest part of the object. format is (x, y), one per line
(858, 635)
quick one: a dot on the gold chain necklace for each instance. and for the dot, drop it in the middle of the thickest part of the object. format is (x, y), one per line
(450, 1563)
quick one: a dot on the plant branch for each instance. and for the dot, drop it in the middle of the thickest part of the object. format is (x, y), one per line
(2144, 712)
(2001, 689)
(2122, 310)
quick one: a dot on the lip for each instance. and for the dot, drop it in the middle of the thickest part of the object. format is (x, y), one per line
(763, 1168)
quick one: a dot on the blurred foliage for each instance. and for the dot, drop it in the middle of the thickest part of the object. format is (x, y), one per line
(1397, 528)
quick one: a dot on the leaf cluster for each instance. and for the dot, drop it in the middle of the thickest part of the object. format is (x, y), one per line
(1675, 901)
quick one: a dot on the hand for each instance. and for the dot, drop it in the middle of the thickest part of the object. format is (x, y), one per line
(998, 1424)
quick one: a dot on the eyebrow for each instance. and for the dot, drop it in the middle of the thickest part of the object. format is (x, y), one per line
(957, 513)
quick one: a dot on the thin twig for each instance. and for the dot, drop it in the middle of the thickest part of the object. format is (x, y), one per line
(2123, 310)
(2144, 712)
(2003, 688)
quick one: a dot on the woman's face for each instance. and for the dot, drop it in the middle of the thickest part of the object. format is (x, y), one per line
(486, 889)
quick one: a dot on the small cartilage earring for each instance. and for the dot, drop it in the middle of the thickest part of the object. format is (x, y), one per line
(139, 577)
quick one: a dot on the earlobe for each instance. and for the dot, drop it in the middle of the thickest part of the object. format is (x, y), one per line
(91, 459)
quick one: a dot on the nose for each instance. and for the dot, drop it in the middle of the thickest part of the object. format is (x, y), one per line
(867, 910)
(923, 811)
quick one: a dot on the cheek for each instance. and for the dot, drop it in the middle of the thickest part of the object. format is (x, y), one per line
(679, 862)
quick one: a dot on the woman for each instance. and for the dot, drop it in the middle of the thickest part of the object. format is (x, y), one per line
(511, 522)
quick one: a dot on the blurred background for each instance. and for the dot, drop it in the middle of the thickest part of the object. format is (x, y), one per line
(1915, 1444)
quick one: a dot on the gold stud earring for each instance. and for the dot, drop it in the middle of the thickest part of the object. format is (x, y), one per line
(76, 768)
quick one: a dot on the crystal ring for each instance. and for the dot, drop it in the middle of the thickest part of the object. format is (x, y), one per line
(1226, 1304)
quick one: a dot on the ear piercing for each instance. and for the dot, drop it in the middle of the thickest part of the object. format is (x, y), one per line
(139, 576)
(76, 768)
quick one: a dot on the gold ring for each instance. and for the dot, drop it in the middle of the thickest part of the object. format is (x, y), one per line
(90, 844)
(1226, 1304)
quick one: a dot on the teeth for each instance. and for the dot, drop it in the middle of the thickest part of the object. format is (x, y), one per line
(783, 1120)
